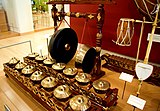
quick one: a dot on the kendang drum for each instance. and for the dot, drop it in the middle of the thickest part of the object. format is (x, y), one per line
(148, 8)
(86, 58)
(125, 31)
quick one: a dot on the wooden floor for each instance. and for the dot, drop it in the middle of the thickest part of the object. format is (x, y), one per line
(18, 100)
(8, 34)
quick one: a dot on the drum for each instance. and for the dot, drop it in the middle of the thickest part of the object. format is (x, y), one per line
(86, 58)
(125, 31)
(148, 8)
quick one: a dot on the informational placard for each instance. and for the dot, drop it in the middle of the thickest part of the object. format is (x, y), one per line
(136, 101)
(156, 37)
(126, 77)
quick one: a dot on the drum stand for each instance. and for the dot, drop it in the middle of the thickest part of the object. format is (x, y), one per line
(99, 16)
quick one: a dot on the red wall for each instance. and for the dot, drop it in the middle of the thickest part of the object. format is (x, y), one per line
(113, 13)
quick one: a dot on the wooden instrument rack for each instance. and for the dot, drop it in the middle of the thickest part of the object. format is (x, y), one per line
(45, 97)
(99, 102)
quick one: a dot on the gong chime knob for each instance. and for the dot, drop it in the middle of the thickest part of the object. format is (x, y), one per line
(20, 65)
(101, 86)
(62, 92)
(28, 70)
(80, 103)
(49, 82)
(71, 72)
(37, 76)
(13, 61)
(67, 47)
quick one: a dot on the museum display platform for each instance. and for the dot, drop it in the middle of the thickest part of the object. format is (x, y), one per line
(99, 101)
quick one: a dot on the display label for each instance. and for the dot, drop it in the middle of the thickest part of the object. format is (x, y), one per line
(126, 77)
(137, 102)
(156, 37)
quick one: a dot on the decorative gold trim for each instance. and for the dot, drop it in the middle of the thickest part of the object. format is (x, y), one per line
(68, 14)
(99, 35)
(77, 15)
(57, 14)
(99, 17)
(73, 0)
(90, 16)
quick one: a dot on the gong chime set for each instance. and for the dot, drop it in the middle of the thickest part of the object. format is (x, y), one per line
(57, 86)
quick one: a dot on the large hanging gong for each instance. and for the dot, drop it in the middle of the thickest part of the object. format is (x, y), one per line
(63, 45)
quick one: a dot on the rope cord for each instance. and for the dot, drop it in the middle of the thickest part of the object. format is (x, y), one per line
(84, 27)
(147, 10)
(61, 23)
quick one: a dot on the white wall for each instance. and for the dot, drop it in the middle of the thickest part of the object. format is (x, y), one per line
(0, 4)
(19, 15)
(67, 9)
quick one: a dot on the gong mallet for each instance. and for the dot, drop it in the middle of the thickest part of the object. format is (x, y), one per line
(47, 36)
(40, 47)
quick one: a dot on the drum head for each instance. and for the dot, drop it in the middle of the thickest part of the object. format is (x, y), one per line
(63, 45)
(86, 58)
(89, 60)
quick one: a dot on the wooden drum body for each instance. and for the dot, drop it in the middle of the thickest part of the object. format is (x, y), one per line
(85, 58)
(125, 31)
